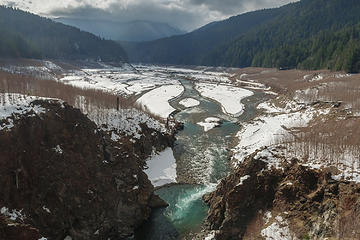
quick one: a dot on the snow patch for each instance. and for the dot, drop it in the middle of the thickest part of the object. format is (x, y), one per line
(161, 168)
(189, 102)
(266, 129)
(51, 66)
(267, 217)
(123, 122)
(120, 80)
(46, 209)
(157, 100)
(14, 214)
(242, 179)
(210, 236)
(342, 75)
(227, 95)
(58, 149)
(317, 77)
(210, 123)
(278, 230)
(14, 105)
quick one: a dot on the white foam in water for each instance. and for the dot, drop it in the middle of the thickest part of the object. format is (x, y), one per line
(184, 204)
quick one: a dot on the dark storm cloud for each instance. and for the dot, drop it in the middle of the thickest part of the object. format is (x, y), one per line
(172, 14)
(184, 14)
(238, 6)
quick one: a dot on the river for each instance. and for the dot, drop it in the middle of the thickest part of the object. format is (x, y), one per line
(202, 159)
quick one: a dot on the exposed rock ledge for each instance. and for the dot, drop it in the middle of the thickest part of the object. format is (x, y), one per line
(71, 180)
(298, 203)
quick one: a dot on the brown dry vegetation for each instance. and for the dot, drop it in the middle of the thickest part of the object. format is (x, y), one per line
(334, 142)
(14, 83)
(84, 99)
(331, 138)
(333, 87)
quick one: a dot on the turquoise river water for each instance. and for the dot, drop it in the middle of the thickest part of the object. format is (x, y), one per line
(202, 159)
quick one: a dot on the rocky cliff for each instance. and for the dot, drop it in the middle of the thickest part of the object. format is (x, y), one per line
(291, 202)
(61, 177)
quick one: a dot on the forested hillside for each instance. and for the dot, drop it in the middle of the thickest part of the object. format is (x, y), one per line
(27, 35)
(309, 34)
(192, 47)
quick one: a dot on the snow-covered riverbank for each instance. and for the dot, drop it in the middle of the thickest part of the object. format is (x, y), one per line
(157, 100)
(227, 95)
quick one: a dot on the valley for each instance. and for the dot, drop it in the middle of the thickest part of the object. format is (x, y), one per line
(250, 119)
(243, 126)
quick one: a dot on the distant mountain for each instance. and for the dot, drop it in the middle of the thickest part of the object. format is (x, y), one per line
(23, 34)
(135, 31)
(308, 34)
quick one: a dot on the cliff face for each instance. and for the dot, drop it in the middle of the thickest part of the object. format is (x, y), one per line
(294, 202)
(70, 179)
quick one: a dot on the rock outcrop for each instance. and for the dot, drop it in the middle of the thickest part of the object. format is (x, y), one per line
(71, 179)
(307, 203)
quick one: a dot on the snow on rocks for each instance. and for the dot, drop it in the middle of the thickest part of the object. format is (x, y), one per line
(210, 236)
(14, 215)
(227, 95)
(314, 77)
(271, 157)
(278, 230)
(210, 123)
(119, 122)
(266, 129)
(342, 75)
(46, 209)
(124, 121)
(263, 131)
(317, 77)
(58, 149)
(157, 100)
(242, 179)
(266, 133)
(267, 217)
(161, 168)
(347, 162)
(189, 102)
(13, 105)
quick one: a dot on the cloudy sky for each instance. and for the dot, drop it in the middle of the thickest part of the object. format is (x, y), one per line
(184, 14)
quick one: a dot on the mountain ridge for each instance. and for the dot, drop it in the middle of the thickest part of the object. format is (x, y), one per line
(137, 31)
(278, 37)
(23, 34)
(196, 43)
